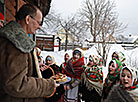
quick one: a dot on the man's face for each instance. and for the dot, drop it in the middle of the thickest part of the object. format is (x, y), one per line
(35, 22)
(1, 23)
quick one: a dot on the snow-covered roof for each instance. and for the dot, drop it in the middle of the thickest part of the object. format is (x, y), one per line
(126, 38)
(43, 35)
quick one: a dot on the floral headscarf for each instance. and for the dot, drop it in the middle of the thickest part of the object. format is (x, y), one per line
(121, 57)
(133, 89)
(94, 73)
(74, 67)
(96, 59)
(134, 73)
(113, 77)
(52, 58)
(93, 76)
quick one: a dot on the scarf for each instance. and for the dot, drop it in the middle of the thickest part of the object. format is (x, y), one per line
(133, 89)
(63, 66)
(135, 85)
(93, 78)
(74, 68)
(112, 78)
(94, 74)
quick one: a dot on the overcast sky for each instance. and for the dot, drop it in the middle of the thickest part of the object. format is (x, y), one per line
(127, 10)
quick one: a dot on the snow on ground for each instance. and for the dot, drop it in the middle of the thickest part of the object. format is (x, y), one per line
(131, 56)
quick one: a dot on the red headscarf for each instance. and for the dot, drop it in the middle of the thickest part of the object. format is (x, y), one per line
(2, 16)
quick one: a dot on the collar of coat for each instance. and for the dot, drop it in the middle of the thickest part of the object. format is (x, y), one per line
(16, 34)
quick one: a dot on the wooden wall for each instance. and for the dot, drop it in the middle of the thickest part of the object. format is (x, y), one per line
(10, 6)
(45, 43)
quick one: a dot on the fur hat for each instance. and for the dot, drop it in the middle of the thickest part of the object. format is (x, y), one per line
(2, 16)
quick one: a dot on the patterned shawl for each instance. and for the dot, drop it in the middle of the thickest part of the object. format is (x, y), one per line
(93, 76)
(74, 68)
(112, 78)
(63, 66)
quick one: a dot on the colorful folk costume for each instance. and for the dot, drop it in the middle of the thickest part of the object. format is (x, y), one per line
(129, 94)
(47, 74)
(74, 70)
(122, 58)
(92, 81)
(63, 65)
(62, 69)
(112, 79)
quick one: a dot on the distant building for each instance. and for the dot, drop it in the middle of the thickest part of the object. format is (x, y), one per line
(127, 41)
(62, 35)
(45, 42)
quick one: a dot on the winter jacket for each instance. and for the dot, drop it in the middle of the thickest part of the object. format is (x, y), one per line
(18, 79)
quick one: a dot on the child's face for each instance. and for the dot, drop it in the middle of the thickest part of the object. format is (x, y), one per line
(111, 68)
(115, 56)
(66, 57)
(126, 78)
(76, 56)
(49, 61)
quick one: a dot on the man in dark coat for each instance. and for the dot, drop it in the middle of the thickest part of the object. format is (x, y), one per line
(20, 79)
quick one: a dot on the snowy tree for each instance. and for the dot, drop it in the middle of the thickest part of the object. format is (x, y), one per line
(101, 21)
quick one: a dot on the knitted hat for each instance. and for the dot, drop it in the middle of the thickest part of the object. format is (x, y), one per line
(2, 16)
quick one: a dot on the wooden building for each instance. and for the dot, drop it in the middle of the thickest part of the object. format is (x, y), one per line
(10, 7)
(45, 42)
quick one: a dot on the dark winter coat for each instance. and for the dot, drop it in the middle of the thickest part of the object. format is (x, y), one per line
(117, 94)
(18, 78)
(60, 89)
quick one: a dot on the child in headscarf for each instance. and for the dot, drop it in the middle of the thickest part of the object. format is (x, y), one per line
(74, 70)
(92, 80)
(62, 68)
(52, 69)
(127, 91)
(120, 56)
(113, 76)
(63, 65)
(50, 63)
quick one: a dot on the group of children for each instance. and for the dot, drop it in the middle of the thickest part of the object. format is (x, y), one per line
(87, 83)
